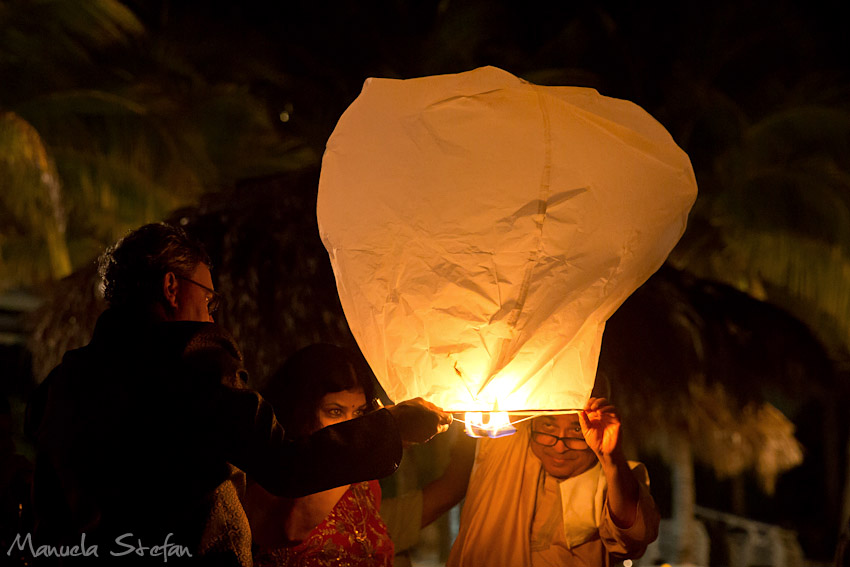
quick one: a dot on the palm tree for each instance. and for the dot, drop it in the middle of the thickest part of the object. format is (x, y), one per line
(34, 208)
(120, 130)
(776, 220)
(770, 154)
(692, 366)
(42, 46)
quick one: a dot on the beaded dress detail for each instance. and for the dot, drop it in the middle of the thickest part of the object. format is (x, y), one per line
(351, 535)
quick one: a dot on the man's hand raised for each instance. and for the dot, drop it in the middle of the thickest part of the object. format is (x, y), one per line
(418, 420)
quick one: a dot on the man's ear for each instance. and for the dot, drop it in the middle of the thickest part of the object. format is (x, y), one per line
(170, 284)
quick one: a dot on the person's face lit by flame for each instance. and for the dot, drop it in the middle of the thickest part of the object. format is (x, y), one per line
(336, 407)
(569, 455)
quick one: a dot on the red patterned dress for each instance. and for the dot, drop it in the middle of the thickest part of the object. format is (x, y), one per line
(352, 535)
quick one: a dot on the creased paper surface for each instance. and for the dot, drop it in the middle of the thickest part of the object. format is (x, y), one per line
(482, 229)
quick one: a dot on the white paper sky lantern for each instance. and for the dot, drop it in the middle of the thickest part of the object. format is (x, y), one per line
(482, 229)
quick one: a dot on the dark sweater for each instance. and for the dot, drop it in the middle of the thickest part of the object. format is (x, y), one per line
(137, 431)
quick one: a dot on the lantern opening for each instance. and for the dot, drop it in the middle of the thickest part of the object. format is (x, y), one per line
(488, 424)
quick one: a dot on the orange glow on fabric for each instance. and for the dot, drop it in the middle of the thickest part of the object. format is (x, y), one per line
(482, 229)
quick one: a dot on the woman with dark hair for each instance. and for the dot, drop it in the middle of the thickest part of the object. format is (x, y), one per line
(318, 386)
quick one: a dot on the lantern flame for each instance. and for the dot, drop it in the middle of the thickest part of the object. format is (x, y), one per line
(488, 424)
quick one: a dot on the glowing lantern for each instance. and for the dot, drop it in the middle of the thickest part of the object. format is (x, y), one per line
(482, 229)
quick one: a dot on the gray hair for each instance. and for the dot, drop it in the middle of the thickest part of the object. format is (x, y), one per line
(132, 269)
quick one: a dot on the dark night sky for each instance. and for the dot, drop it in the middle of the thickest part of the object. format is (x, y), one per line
(753, 52)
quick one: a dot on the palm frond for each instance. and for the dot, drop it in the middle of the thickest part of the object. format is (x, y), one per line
(53, 44)
(31, 201)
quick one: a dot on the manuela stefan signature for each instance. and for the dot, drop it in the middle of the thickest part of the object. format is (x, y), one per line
(125, 545)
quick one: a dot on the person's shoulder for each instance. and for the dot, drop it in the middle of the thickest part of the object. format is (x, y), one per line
(190, 329)
(75, 366)
(367, 490)
(202, 335)
(195, 336)
(207, 349)
(375, 490)
(74, 363)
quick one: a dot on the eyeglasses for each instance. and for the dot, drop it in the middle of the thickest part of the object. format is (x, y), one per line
(214, 302)
(549, 440)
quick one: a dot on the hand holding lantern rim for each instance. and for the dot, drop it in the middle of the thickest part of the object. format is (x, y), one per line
(419, 420)
(600, 426)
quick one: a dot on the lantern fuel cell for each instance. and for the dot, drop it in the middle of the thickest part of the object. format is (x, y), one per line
(492, 424)
(482, 229)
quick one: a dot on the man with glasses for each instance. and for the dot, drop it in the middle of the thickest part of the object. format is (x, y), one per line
(558, 492)
(138, 434)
